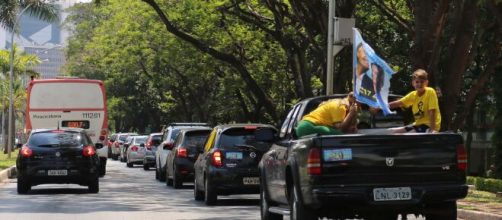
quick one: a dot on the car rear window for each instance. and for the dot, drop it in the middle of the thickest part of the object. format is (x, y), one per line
(123, 137)
(174, 133)
(140, 140)
(241, 137)
(195, 139)
(57, 139)
(156, 139)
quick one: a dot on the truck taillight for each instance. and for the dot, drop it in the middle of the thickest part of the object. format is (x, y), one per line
(181, 152)
(26, 151)
(88, 151)
(314, 162)
(216, 159)
(461, 157)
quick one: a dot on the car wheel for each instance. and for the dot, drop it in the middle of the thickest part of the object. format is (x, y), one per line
(169, 181)
(94, 185)
(23, 186)
(197, 194)
(177, 181)
(264, 206)
(210, 196)
(444, 211)
(129, 164)
(157, 173)
(146, 166)
(297, 210)
(102, 167)
(162, 174)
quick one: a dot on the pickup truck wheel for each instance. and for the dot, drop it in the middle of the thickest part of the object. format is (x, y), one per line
(444, 211)
(297, 210)
(264, 206)
(210, 195)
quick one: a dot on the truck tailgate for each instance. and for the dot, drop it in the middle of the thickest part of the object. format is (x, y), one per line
(390, 159)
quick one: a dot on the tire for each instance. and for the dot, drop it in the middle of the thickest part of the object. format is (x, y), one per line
(297, 210)
(129, 164)
(210, 196)
(115, 157)
(102, 167)
(94, 185)
(443, 211)
(157, 173)
(23, 186)
(146, 166)
(197, 194)
(265, 205)
(162, 175)
(169, 181)
(177, 181)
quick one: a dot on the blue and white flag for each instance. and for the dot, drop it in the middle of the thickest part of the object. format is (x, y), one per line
(371, 75)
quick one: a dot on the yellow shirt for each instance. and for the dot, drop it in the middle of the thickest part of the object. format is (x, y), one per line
(328, 113)
(421, 106)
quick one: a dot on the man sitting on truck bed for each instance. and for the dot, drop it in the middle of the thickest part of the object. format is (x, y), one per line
(335, 116)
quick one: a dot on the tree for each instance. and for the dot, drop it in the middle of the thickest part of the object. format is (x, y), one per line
(37, 8)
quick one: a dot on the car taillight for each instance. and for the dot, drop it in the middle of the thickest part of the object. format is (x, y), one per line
(134, 148)
(101, 137)
(88, 151)
(117, 144)
(181, 152)
(216, 159)
(314, 162)
(149, 144)
(461, 157)
(26, 151)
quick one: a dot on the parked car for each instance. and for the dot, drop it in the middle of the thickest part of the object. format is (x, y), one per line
(229, 162)
(133, 152)
(124, 147)
(58, 156)
(109, 144)
(372, 174)
(152, 143)
(162, 152)
(119, 141)
(187, 145)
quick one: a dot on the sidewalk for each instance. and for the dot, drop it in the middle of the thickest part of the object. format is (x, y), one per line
(7, 173)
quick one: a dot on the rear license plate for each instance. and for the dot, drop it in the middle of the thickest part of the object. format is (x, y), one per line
(233, 155)
(392, 194)
(57, 172)
(251, 180)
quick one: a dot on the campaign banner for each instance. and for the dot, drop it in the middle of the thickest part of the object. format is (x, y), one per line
(371, 75)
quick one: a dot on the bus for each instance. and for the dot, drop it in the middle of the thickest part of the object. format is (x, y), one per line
(69, 103)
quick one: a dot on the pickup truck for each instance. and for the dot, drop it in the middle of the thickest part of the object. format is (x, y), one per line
(371, 174)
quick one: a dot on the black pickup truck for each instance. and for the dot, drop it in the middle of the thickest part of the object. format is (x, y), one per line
(372, 174)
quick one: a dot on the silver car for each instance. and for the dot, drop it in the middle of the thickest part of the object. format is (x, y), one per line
(117, 144)
(133, 152)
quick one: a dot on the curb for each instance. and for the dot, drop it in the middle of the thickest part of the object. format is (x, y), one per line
(475, 215)
(8, 173)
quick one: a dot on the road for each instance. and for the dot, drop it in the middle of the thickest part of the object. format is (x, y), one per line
(125, 194)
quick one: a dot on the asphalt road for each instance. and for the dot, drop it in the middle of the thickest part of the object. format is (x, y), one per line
(125, 193)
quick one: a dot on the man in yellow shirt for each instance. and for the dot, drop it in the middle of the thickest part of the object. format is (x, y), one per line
(424, 102)
(334, 116)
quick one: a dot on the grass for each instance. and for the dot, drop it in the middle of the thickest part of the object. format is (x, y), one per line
(4, 162)
(482, 197)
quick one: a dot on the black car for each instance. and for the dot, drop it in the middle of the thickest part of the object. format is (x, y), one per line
(187, 145)
(229, 162)
(58, 156)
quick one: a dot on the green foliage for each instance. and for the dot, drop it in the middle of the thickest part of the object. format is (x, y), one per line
(486, 184)
(497, 136)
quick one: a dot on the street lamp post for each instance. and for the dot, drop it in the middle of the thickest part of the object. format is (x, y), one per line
(11, 79)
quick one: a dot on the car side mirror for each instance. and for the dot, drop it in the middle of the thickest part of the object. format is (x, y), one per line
(142, 145)
(265, 134)
(98, 145)
(168, 146)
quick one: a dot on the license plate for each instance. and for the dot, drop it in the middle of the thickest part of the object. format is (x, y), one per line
(251, 180)
(233, 155)
(57, 172)
(392, 194)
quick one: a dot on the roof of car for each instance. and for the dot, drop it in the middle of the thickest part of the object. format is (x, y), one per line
(227, 126)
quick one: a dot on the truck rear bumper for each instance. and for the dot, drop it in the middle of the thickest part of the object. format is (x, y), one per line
(363, 197)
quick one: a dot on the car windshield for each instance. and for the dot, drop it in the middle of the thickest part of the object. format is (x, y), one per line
(123, 137)
(56, 139)
(156, 139)
(241, 138)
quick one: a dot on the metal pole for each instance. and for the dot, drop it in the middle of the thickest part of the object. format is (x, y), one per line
(11, 79)
(330, 58)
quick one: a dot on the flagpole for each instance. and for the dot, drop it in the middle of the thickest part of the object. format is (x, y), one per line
(330, 59)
